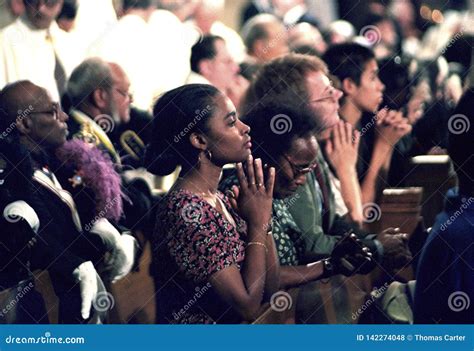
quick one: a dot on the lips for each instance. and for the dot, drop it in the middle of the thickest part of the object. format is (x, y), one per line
(248, 144)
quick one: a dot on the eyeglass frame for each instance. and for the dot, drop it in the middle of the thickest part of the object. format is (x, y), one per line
(56, 111)
(298, 170)
(124, 93)
(333, 90)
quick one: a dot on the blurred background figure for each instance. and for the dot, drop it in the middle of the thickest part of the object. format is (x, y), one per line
(304, 36)
(67, 15)
(265, 37)
(207, 18)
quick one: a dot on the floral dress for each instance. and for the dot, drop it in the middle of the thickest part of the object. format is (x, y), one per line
(191, 242)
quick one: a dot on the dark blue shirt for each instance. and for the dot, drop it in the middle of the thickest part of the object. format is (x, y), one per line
(445, 278)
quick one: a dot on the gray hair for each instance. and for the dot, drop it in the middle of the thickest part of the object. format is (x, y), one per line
(91, 74)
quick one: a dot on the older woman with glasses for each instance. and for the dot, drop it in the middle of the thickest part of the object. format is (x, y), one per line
(284, 138)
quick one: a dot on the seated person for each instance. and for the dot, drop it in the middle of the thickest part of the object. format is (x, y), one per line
(284, 138)
(65, 248)
(363, 92)
(100, 111)
(201, 245)
(211, 63)
(307, 85)
(20, 224)
(444, 281)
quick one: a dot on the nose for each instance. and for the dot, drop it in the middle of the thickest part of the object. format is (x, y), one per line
(381, 85)
(337, 94)
(245, 128)
(63, 116)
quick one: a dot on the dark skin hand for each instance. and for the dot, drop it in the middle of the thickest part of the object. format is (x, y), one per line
(244, 289)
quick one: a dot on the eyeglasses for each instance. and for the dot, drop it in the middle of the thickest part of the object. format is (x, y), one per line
(55, 111)
(125, 94)
(300, 170)
(332, 93)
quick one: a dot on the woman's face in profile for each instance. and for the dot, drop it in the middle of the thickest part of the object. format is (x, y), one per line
(228, 136)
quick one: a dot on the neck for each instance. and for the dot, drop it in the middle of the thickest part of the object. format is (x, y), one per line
(39, 154)
(203, 180)
(89, 110)
(350, 112)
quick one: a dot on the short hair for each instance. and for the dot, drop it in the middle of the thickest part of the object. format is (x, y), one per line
(136, 4)
(255, 29)
(69, 10)
(205, 49)
(282, 79)
(348, 60)
(91, 74)
(274, 127)
(461, 137)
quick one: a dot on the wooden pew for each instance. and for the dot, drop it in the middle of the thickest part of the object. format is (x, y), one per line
(44, 286)
(330, 301)
(435, 174)
(399, 207)
(134, 295)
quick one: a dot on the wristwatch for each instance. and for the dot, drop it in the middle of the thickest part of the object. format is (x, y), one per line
(328, 268)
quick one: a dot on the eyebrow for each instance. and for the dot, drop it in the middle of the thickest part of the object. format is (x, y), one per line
(230, 114)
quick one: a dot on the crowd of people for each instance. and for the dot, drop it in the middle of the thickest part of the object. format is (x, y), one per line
(280, 134)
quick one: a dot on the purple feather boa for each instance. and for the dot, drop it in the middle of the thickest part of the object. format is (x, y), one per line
(98, 174)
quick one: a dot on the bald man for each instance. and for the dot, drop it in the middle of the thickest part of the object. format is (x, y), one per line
(30, 119)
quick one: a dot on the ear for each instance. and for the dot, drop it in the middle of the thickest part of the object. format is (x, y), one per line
(100, 98)
(204, 67)
(259, 49)
(349, 87)
(198, 141)
(24, 125)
